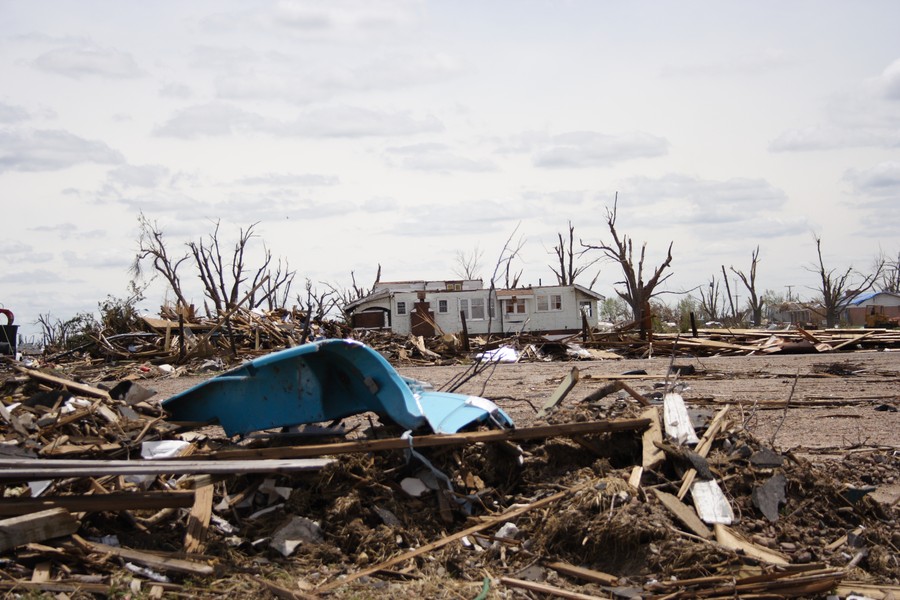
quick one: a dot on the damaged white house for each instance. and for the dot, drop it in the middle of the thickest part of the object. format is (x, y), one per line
(434, 307)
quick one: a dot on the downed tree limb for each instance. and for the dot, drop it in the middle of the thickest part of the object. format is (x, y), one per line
(428, 441)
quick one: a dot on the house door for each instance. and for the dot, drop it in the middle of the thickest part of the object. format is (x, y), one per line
(421, 320)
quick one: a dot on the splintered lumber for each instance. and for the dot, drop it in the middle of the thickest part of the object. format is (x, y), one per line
(544, 588)
(36, 527)
(428, 441)
(652, 456)
(30, 469)
(72, 386)
(869, 590)
(703, 450)
(684, 513)
(424, 549)
(734, 541)
(584, 574)
(560, 393)
(114, 501)
(160, 562)
(198, 520)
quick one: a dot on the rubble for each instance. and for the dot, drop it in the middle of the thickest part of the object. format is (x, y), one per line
(597, 497)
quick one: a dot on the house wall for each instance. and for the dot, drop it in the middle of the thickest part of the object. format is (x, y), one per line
(568, 319)
(856, 315)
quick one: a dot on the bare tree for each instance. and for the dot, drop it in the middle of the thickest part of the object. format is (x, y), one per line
(151, 246)
(755, 302)
(637, 292)
(345, 296)
(890, 276)
(223, 288)
(840, 288)
(504, 263)
(709, 300)
(468, 264)
(278, 286)
(566, 255)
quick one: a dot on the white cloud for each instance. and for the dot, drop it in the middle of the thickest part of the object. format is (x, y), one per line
(830, 138)
(145, 176)
(750, 64)
(882, 180)
(291, 179)
(175, 90)
(219, 119)
(681, 199)
(890, 81)
(350, 121)
(580, 149)
(212, 119)
(435, 157)
(88, 59)
(51, 150)
(12, 114)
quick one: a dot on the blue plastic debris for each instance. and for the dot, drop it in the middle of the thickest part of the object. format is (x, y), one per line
(322, 381)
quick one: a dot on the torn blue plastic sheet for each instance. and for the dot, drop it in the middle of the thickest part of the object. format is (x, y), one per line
(322, 381)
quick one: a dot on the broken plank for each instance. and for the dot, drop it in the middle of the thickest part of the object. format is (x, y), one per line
(36, 527)
(652, 456)
(28, 469)
(703, 449)
(734, 541)
(684, 513)
(114, 501)
(560, 393)
(583, 573)
(159, 562)
(642, 400)
(72, 386)
(198, 520)
(544, 588)
(427, 441)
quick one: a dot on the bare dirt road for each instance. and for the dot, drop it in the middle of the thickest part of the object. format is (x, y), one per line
(839, 401)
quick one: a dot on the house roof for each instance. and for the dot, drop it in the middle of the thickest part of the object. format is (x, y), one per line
(869, 295)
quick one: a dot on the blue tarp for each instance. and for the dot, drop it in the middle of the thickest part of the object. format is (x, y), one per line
(322, 381)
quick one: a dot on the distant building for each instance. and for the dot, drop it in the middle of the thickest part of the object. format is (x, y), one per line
(886, 304)
(433, 307)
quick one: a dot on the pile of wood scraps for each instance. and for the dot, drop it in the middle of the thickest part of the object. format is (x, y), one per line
(609, 493)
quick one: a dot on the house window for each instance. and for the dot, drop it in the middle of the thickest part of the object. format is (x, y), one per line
(473, 308)
(477, 309)
(587, 308)
(515, 306)
(443, 306)
(401, 308)
(454, 287)
(548, 302)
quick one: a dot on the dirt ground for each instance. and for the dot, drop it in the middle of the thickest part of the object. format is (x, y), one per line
(834, 405)
(842, 414)
(838, 402)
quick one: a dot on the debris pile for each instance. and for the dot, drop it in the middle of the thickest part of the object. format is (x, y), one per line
(615, 495)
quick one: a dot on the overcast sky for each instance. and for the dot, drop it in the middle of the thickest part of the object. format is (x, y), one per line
(403, 132)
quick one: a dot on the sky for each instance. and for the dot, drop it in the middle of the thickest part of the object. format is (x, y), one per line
(402, 133)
